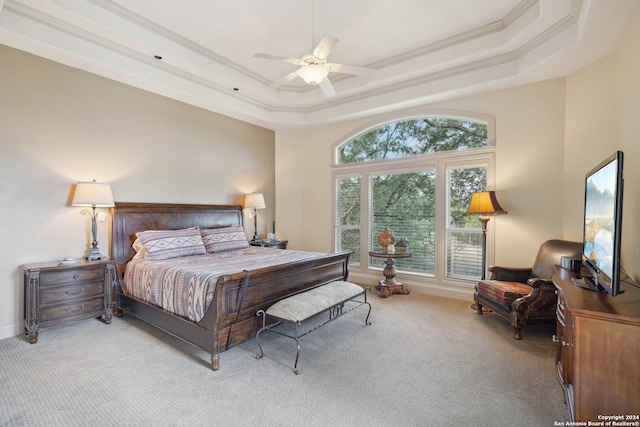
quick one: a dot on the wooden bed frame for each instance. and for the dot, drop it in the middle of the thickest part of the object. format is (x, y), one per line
(265, 287)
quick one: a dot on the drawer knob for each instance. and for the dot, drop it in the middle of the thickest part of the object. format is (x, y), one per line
(69, 292)
(75, 276)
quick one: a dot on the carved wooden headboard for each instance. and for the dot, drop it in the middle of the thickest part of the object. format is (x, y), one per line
(129, 218)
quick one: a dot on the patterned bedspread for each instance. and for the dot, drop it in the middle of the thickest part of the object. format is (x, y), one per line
(185, 286)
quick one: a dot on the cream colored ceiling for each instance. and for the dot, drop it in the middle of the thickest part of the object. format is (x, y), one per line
(422, 50)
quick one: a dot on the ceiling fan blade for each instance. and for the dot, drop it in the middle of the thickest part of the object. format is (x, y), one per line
(284, 80)
(327, 88)
(350, 69)
(325, 46)
(278, 58)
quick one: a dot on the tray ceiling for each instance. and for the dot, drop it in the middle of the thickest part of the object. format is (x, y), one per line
(421, 50)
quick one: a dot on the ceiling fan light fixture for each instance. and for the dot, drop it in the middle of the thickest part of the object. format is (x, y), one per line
(313, 74)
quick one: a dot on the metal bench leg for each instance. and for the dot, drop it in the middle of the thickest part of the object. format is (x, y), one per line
(334, 311)
(264, 320)
(295, 365)
(366, 321)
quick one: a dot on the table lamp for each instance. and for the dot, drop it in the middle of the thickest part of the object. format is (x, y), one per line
(95, 195)
(254, 201)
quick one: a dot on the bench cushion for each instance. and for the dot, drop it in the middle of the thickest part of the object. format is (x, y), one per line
(306, 304)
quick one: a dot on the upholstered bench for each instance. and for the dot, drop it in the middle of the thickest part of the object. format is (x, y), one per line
(300, 308)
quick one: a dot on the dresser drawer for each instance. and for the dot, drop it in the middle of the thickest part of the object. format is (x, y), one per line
(69, 293)
(75, 309)
(51, 278)
(561, 308)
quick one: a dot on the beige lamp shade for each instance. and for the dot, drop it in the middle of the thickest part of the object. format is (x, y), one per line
(485, 203)
(254, 201)
(92, 193)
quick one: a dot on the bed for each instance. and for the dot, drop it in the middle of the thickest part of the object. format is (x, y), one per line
(229, 316)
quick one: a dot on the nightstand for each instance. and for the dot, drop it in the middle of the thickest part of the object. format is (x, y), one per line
(57, 293)
(276, 244)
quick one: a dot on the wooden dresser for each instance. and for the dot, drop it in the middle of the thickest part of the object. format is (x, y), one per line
(598, 341)
(56, 293)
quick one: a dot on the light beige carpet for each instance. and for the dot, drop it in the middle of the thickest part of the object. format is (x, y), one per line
(425, 361)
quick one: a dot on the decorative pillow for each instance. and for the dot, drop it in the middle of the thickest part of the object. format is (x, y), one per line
(141, 252)
(224, 238)
(165, 244)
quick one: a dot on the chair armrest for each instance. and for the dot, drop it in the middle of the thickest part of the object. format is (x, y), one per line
(509, 274)
(538, 287)
(537, 282)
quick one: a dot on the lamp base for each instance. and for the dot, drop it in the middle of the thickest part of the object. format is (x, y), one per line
(94, 252)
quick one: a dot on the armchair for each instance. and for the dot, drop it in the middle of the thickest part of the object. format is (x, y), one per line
(525, 294)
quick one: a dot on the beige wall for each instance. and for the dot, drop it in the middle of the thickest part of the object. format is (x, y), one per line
(628, 109)
(59, 125)
(529, 159)
(603, 109)
(548, 135)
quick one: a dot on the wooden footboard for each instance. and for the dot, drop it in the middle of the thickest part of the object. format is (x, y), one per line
(222, 327)
(265, 287)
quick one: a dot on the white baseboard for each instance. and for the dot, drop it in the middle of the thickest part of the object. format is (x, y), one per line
(413, 284)
(461, 292)
(10, 331)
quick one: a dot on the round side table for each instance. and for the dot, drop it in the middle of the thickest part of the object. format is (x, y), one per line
(390, 285)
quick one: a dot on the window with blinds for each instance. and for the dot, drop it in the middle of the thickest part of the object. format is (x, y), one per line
(464, 234)
(347, 219)
(414, 178)
(404, 204)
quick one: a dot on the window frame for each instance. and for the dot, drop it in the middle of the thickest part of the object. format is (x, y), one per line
(334, 237)
(436, 113)
(489, 163)
(414, 168)
(440, 162)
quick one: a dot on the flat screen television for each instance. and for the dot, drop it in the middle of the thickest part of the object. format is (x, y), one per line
(602, 231)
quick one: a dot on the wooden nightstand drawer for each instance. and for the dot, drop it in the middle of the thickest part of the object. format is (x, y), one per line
(68, 293)
(74, 310)
(50, 278)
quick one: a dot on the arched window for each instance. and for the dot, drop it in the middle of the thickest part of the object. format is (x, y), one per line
(415, 177)
(413, 138)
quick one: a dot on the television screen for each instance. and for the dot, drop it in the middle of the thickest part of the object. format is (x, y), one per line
(603, 222)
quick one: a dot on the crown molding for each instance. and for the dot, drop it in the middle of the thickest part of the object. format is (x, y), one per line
(194, 74)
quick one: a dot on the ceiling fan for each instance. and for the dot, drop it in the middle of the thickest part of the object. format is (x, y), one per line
(314, 68)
